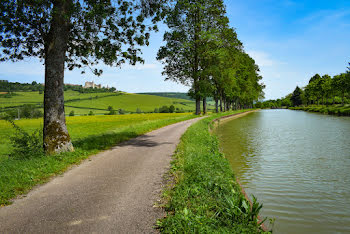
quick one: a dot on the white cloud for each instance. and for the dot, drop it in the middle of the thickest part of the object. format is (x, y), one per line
(263, 59)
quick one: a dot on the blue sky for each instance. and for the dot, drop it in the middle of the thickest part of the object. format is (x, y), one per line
(290, 40)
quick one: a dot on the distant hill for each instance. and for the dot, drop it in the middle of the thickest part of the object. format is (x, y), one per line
(98, 103)
(170, 95)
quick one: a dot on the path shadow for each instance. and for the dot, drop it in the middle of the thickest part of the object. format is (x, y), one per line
(120, 139)
(143, 141)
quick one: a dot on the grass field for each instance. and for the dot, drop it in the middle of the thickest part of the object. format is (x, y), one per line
(81, 127)
(35, 98)
(130, 102)
(90, 134)
(98, 103)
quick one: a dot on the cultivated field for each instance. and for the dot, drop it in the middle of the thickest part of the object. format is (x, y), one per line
(21, 98)
(98, 103)
(130, 102)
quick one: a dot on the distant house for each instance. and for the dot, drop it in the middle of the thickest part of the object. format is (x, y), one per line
(92, 85)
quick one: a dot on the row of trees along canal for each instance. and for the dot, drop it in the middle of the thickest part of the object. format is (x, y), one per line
(323, 90)
(201, 50)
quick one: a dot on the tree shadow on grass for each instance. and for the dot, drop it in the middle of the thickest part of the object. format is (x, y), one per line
(103, 141)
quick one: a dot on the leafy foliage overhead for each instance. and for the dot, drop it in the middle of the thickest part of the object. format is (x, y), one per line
(99, 30)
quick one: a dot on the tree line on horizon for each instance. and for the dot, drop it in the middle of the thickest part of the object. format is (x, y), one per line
(320, 90)
(11, 87)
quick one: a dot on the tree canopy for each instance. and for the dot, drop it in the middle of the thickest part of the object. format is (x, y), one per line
(296, 97)
(107, 31)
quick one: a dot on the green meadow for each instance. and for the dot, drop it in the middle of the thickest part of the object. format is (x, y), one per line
(21, 98)
(81, 127)
(130, 102)
(98, 103)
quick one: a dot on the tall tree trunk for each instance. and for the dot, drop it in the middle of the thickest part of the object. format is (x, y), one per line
(196, 61)
(220, 103)
(55, 133)
(198, 105)
(204, 105)
(216, 105)
(224, 100)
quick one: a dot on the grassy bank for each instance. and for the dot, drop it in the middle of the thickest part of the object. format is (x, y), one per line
(90, 134)
(203, 196)
(331, 110)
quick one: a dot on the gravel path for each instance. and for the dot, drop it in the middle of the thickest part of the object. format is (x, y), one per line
(112, 192)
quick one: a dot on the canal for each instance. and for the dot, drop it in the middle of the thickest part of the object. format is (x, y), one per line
(296, 163)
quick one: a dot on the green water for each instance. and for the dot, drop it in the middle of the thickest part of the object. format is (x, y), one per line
(297, 164)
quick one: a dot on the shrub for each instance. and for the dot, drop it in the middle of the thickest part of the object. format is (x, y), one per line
(71, 113)
(91, 113)
(26, 145)
(29, 111)
(121, 111)
(138, 111)
(164, 109)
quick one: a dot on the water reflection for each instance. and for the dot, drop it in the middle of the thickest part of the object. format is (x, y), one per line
(297, 164)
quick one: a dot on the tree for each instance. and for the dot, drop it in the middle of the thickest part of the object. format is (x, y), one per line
(296, 97)
(73, 34)
(188, 22)
(326, 88)
(286, 101)
(172, 109)
(111, 110)
(341, 84)
(314, 88)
